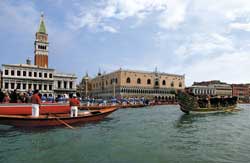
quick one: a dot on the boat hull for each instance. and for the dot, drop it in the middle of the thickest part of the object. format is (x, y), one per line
(208, 110)
(26, 109)
(57, 120)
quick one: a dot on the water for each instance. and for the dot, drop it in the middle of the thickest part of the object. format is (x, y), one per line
(148, 135)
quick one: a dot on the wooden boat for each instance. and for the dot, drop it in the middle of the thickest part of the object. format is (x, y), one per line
(97, 107)
(131, 106)
(25, 109)
(190, 104)
(54, 119)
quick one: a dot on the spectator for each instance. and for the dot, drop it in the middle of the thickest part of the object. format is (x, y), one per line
(1, 96)
(13, 97)
(6, 98)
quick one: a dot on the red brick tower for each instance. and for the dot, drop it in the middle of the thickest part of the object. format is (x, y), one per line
(41, 45)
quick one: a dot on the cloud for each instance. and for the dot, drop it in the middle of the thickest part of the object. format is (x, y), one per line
(22, 14)
(204, 45)
(224, 67)
(240, 26)
(174, 15)
(170, 13)
(109, 29)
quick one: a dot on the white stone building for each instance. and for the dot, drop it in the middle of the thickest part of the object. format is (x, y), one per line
(24, 77)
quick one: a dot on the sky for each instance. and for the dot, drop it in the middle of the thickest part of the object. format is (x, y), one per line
(203, 39)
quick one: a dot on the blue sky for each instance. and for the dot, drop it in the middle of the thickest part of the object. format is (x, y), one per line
(205, 40)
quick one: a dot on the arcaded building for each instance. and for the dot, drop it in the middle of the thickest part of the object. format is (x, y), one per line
(133, 83)
(24, 77)
(211, 88)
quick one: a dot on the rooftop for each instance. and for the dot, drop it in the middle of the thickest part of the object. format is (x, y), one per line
(141, 71)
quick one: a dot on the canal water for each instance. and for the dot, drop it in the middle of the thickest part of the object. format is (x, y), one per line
(142, 135)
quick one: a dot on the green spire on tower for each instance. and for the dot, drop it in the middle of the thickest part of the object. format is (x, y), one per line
(42, 28)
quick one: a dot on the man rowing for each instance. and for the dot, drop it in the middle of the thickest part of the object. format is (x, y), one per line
(74, 103)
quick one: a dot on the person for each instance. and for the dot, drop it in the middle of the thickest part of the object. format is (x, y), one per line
(29, 94)
(36, 101)
(6, 98)
(1, 95)
(74, 103)
(25, 98)
(14, 96)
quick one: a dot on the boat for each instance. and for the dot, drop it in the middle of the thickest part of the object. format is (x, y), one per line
(54, 119)
(193, 104)
(95, 107)
(26, 108)
(98, 107)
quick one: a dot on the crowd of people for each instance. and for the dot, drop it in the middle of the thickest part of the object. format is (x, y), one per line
(15, 96)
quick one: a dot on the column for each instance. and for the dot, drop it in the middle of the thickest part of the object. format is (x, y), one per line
(67, 84)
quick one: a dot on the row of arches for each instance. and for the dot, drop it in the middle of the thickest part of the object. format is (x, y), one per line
(165, 98)
(144, 91)
(100, 84)
(128, 81)
(42, 47)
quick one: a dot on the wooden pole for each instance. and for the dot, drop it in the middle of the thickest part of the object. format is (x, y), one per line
(59, 120)
(63, 122)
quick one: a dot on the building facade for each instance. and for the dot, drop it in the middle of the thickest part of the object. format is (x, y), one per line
(64, 84)
(212, 88)
(241, 91)
(26, 77)
(84, 87)
(131, 83)
(200, 90)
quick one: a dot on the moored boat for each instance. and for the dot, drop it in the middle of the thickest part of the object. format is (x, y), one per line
(54, 119)
(25, 108)
(193, 104)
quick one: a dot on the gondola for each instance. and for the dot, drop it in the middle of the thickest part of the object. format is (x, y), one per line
(54, 119)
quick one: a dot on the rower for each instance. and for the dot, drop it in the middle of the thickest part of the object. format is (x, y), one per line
(74, 103)
(36, 102)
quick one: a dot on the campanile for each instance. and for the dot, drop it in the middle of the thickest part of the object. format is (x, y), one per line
(41, 45)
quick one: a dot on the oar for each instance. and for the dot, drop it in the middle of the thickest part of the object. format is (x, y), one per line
(57, 118)
(63, 122)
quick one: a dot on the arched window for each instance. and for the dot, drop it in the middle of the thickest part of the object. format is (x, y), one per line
(180, 84)
(164, 82)
(106, 82)
(148, 81)
(128, 80)
(138, 81)
(156, 83)
(172, 84)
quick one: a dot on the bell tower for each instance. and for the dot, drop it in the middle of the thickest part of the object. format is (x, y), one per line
(41, 45)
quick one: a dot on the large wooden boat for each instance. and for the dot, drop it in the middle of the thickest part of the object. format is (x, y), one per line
(26, 109)
(54, 119)
(192, 104)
